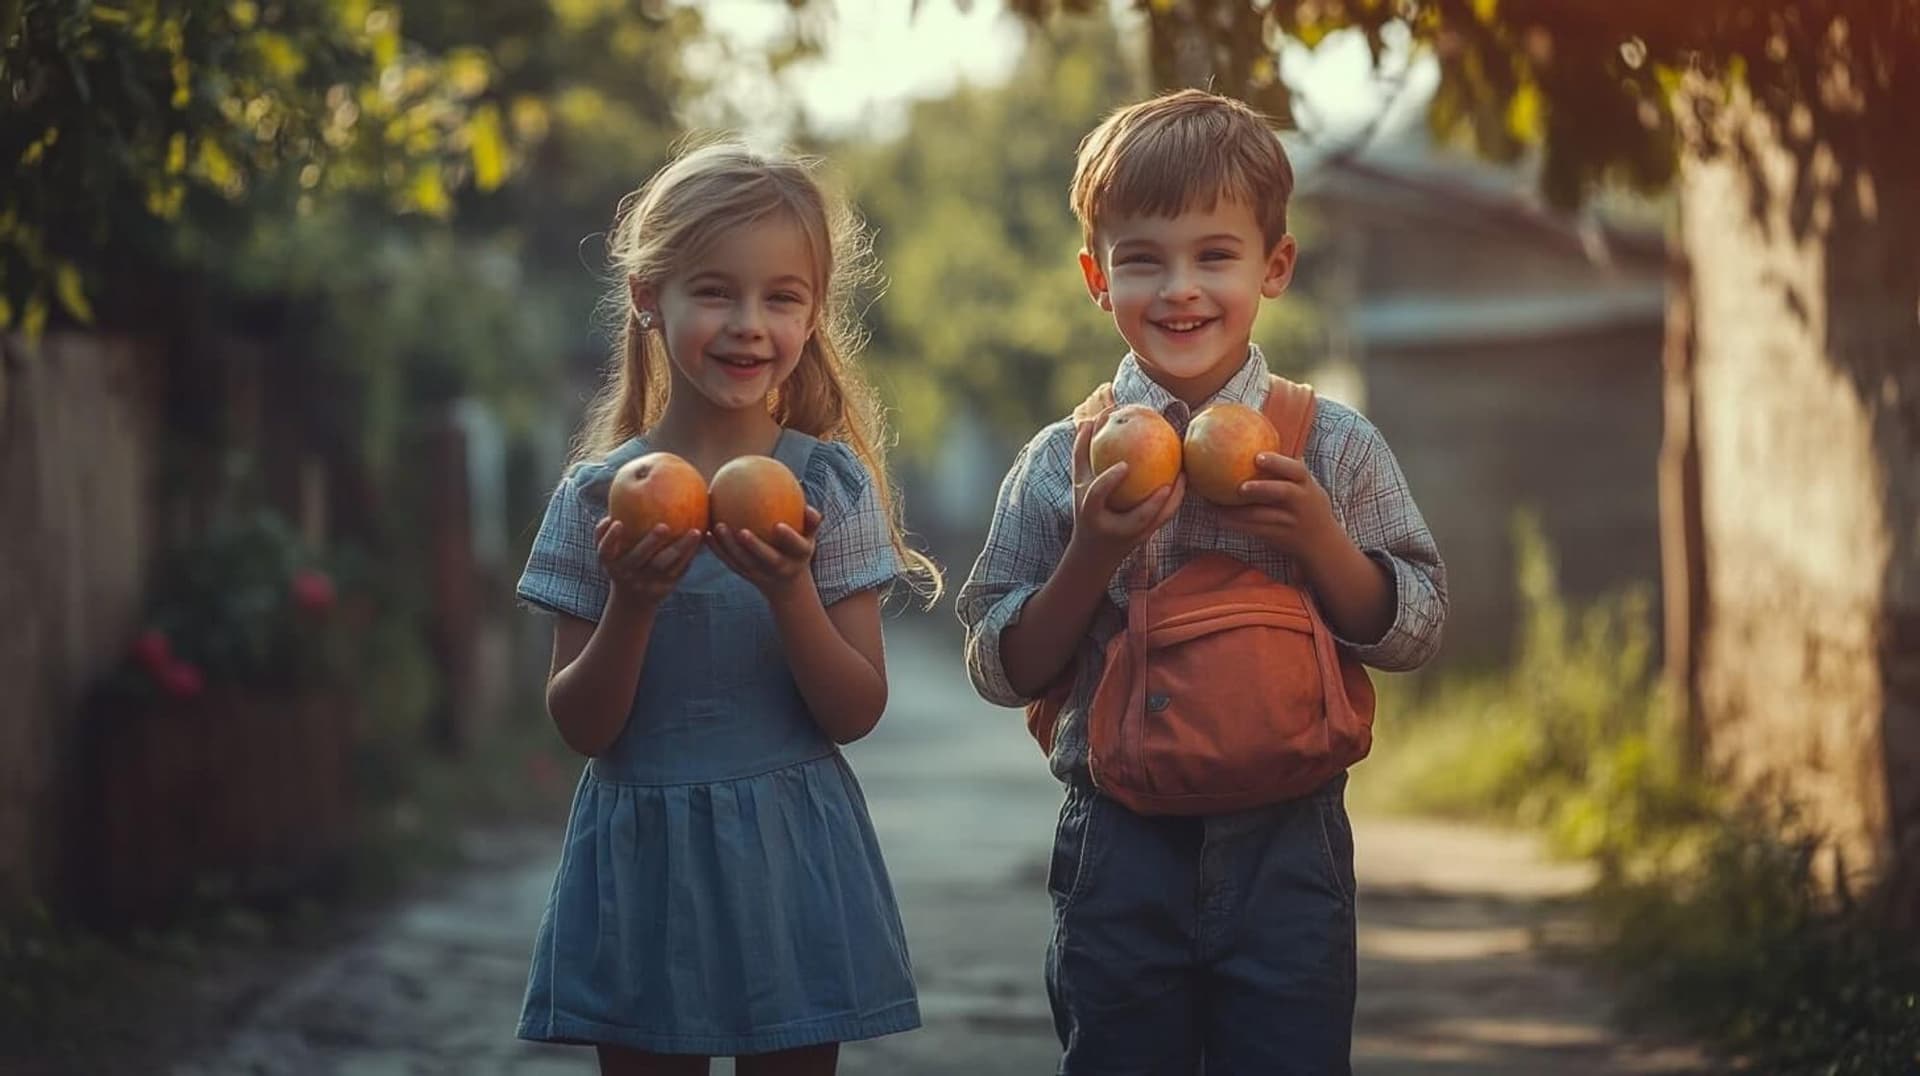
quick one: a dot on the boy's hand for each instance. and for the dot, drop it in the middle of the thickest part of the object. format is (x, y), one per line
(1289, 509)
(773, 566)
(1098, 526)
(648, 571)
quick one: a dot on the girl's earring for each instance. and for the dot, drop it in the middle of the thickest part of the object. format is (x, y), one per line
(645, 318)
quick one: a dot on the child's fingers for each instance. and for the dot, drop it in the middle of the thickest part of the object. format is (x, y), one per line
(1159, 506)
(641, 551)
(791, 543)
(764, 556)
(1260, 491)
(1283, 467)
(811, 523)
(1105, 483)
(1083, 450)
(607, 537)
(681, 553)
(738, 552)
(666, 553)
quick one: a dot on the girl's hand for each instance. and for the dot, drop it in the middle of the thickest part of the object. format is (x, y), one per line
(776, 567)
(1288, 510)
(1111, 533)
(646, 573)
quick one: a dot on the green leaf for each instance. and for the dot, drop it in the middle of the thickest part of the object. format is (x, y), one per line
(218, 169)
(34, 321)
(182, 82)
(428, 192)
(1526, 114)
(468, 72)
(72, 292)
(489, 149)
(281, 58)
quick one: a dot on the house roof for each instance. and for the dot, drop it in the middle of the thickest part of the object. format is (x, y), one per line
(1402, 179)
(1405, 172)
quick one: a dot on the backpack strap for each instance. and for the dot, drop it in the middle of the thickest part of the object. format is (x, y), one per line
(1290, 407)
(1090, 408)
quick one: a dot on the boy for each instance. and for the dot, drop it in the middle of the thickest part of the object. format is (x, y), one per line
(1227, 940)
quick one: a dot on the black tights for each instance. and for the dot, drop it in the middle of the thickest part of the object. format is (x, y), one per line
(805, 1061)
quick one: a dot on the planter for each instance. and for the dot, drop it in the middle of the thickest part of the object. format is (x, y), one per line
(251, 789)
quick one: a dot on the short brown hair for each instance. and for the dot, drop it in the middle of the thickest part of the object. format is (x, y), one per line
(1179, 151)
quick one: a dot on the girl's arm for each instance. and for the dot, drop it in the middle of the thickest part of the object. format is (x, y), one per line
(837, 656)
(596, 667)
(836, 653)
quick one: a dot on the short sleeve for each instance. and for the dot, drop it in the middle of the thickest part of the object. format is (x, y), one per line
(853, 549)
(563, 573)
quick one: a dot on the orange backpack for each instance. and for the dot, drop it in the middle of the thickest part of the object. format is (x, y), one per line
(1226, 690)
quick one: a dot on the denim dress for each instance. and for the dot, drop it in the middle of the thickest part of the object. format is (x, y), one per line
(721, 890)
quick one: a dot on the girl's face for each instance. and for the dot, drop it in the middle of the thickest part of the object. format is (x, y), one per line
(736, 318)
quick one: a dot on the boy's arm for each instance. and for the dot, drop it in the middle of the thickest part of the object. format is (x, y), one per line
(1036, 647)
(1053, 545)
(1361, 542)
(1377, 511)
(1029, 532)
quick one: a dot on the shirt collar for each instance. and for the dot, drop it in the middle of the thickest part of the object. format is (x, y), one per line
(1248, 385)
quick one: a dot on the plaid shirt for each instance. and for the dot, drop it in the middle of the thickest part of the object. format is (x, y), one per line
(1033, 519)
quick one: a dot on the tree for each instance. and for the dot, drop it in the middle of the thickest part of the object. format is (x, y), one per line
(1791, 476)
(135, 125)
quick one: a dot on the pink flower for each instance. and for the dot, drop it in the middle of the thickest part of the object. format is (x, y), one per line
(152, 650)
(182, 680)
(313, 590)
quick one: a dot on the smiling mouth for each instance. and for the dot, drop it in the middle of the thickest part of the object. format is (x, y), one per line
(1183, 326)
(741, 362)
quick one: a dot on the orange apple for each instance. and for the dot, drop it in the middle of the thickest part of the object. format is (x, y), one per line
(1222, 442)
(757, 494)
(656, 488)
(1138, 435)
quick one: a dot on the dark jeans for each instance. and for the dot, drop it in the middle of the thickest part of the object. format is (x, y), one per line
(1220, 945)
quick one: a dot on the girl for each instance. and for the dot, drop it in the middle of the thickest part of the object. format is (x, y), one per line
(721, 891)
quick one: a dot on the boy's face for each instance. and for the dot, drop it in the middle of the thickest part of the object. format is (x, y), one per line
(1184, 290)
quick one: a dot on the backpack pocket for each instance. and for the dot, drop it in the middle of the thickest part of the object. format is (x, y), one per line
(1230, 693)
(1226, 691)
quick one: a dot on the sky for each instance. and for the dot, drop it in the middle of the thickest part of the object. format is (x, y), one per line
(879, 58)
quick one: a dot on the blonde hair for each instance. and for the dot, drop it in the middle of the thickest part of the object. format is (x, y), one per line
(662, 227)
(1178, 151)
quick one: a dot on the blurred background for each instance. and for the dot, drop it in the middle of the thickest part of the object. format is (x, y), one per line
(299, 307)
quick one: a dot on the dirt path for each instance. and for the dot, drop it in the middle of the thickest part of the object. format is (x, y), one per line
(1454, 979)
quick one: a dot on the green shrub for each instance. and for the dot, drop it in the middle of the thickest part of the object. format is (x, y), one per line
(1714, 914)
